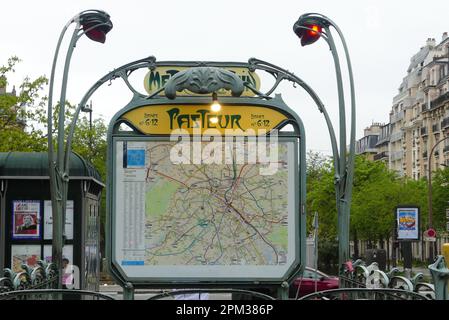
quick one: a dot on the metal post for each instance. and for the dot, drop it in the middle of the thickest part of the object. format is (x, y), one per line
(54, 169)
(315, 238)
(430, 205)
(343, 228)
(3, 186)
(345, 169)
(283, 291)
(58, 173)
(90, 115)
(128, 291)
(347, 175)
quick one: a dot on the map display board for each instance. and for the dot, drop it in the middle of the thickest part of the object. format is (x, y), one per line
(229, 220)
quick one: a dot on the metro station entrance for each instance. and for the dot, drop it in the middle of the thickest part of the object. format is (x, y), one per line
(206, 183)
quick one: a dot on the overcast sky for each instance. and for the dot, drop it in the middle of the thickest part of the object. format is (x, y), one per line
(381, 35)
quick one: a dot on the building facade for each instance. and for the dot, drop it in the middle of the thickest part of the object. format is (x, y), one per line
(368, 144)
(419, 117)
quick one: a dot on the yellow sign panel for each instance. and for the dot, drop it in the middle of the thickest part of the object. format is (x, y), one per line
(157, 78)
(196, 119)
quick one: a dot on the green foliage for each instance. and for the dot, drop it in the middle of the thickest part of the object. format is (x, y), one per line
(21, 115)
(328, 256)
(373, 200)
(23, 123)
(440, 198)
(377, 191)
(321, 193)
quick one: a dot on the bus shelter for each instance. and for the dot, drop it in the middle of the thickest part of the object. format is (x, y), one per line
(26, 215)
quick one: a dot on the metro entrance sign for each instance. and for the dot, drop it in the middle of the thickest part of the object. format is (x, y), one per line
(156, 79)
(164, 119)
(200, 197)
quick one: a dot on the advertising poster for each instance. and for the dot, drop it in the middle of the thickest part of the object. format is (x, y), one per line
(408, 223)
(26, 219)
(24, 254)
(48, 220)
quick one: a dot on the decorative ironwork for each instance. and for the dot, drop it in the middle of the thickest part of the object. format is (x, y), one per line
(364, 294)
(42, 276)
(53, 294)
(440, 275)
(370, 277)
(204, 80)
(439, 101)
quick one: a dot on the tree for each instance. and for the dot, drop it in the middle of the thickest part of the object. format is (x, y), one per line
(440, 198)
(23, 123)
(373, 200)
(376, 193)
(21, 116)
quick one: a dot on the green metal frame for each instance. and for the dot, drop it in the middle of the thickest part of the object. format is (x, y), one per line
(344, 168)
(439, 271)
(253, 64)
(300, 169)
(59, 163)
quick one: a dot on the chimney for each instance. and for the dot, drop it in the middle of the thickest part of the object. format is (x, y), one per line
(430, 42)
(445, 36)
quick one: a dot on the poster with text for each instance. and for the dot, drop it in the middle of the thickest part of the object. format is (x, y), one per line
(24, 254)
(48, 220)
(26, 219)
(408, 223)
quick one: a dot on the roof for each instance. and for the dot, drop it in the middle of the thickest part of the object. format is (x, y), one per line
(36, 164)
(418, 58)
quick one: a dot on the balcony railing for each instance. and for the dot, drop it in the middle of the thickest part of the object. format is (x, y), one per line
(382, 155)
(396, 117)
(440, 100)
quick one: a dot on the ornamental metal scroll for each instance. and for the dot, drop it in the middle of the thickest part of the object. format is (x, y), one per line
(204, 80)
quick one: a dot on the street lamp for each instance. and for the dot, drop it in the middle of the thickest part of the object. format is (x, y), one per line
(95, 24)
(309, 28)
(429, 180)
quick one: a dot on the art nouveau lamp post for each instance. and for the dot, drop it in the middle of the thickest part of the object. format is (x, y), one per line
(309, 28)
(95, 24)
